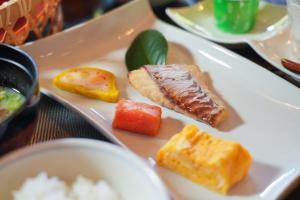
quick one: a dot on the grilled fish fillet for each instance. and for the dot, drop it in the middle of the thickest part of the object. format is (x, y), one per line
(181, 88)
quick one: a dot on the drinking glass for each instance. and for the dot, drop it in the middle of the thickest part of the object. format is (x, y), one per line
(235, 16)
(294, 18)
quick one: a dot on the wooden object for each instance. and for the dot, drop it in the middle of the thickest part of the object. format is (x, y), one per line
(19, 17)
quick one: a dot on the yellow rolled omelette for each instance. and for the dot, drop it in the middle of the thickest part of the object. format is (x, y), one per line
(207, 160)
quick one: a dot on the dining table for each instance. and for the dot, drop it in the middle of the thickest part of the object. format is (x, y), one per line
(51, 120)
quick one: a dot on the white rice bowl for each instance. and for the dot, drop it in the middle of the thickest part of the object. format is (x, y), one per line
(129, 176)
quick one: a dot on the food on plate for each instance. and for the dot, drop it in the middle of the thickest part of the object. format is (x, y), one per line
(181, 88)
(205, 159)
(137, 117)
(291, 65)
(10, 101)
(149, 47)
(43, 187)
(91, 82)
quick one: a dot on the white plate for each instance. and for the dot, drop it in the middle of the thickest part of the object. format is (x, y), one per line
(264, 109)
(274, 48)
(199, 19)
(269, 38)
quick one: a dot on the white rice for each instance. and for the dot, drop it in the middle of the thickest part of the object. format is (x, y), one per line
(43, 187)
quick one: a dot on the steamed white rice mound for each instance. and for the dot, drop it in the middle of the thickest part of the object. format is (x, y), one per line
(43, 187)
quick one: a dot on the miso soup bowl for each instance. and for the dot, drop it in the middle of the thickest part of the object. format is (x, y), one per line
(18, 71)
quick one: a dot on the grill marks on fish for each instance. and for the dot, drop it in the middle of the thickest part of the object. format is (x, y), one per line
(178, 85)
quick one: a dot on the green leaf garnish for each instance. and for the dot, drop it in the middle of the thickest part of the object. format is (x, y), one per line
(149, 47)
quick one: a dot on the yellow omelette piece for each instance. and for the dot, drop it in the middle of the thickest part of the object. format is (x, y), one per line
(91, 82)
(209, 161)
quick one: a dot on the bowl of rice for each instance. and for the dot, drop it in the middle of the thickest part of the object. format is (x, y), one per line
(78, 169)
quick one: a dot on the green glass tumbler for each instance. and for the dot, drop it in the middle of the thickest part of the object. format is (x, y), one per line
(235, 16)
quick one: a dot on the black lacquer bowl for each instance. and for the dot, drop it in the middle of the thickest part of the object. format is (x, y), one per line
(18, 71)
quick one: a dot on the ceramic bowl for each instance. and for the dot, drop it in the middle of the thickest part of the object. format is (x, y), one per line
(18, 71)
(130, 176)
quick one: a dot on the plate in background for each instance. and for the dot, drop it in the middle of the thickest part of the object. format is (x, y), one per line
(274, 48)
(241, 83)
(269, 38)
(199, 19)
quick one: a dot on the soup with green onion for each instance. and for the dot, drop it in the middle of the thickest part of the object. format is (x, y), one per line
(10, 101)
